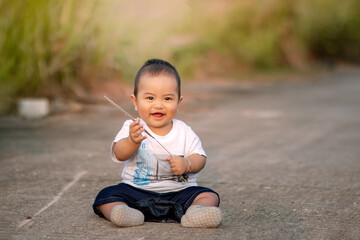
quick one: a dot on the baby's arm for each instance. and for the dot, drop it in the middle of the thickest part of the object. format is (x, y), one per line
(197, 162)
(180, 165)
(126, 147)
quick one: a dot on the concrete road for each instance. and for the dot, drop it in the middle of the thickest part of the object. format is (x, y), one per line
(284, 157)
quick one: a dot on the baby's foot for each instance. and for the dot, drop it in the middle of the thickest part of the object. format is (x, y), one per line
(124, 216)
(201, 216)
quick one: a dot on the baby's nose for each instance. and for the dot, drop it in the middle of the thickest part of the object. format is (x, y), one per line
(159, 104)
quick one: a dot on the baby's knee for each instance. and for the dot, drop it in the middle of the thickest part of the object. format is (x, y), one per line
(211, 198)
(214, 197)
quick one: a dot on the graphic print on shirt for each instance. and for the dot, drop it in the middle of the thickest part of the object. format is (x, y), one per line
(143, 171)
(152, 169)
(163, 170)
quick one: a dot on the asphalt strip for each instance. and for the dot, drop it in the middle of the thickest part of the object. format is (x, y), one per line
(56, 198)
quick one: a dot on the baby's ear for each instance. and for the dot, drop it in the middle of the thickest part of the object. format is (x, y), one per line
(133, 99)
(180, 99)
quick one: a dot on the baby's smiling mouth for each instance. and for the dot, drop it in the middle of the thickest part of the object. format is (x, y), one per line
(157, 115)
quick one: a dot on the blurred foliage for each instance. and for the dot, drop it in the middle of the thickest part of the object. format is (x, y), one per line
(330, 29)
(276, 34)
(254, 33)
(61, 47)
(48, 48)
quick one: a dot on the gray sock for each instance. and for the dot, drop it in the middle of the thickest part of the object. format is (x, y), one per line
(201, 216)
(124, 216)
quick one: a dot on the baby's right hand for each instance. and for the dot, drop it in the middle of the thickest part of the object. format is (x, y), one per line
(135, 131)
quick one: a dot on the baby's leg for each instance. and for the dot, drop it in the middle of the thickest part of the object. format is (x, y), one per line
(121, 215)
(106, 208)
(203, 212)
(206, 199)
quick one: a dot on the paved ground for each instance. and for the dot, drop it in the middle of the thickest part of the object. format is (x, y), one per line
(285, 159)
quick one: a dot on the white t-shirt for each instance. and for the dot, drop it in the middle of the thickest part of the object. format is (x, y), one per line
(148, 168)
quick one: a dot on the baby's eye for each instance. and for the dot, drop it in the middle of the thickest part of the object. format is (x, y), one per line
(168, 98)
(150, 98)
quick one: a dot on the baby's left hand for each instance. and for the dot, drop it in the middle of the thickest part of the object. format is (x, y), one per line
(178, 164)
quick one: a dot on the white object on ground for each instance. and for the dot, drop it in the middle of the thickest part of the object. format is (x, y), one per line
(33, 108)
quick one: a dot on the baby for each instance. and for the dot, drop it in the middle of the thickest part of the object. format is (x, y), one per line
(158, 186)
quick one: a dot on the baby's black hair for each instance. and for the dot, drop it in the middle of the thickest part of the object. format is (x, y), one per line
(156, 67)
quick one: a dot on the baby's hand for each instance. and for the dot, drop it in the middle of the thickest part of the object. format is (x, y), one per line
(178, 164)
(135, 132)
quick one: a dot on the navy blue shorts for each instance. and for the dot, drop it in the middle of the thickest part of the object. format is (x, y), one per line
(156, 207)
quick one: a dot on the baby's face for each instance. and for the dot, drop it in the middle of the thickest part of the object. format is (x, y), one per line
(157, 101)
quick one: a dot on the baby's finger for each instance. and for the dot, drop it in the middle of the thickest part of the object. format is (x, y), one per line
(175, 171)
(137, 135)
(134, 122)
(137, 138)
(137, 129)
